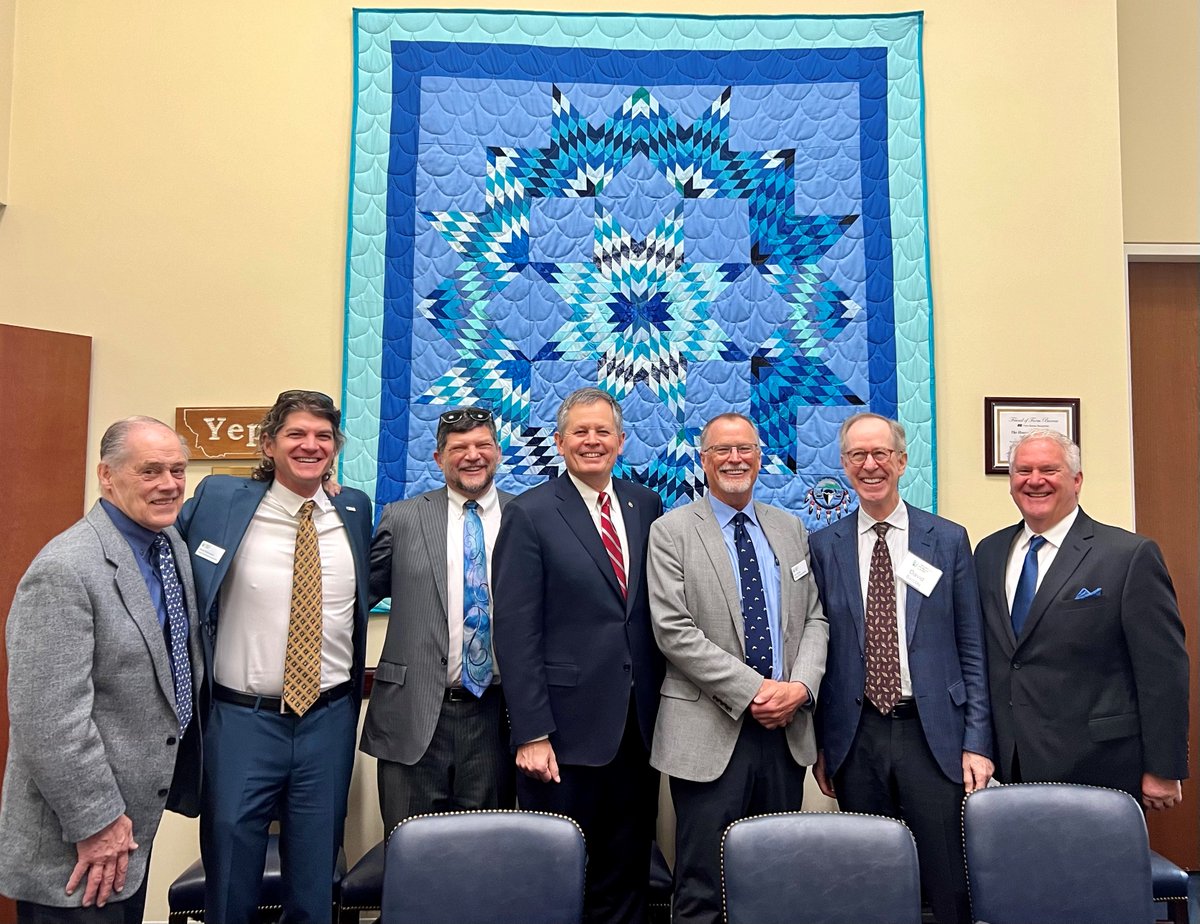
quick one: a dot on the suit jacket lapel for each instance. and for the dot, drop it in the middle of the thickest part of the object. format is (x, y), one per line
(360, 551)
(183, 565)
(845, 555)
(434, 518)
(131, 587)
(240, 511)
(713, 541)
(635, 536)
(1074, 549)
(579, 519)
(920, 543)
(992, 578)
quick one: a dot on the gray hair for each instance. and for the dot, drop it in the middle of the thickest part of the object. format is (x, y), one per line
(587, 395)
(115, 441)
(728, 415)
(1065, 443)
(899, 437)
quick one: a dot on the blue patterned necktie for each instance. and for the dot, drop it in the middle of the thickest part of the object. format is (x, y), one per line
(757, 630)
(1026, 585)
(477, 626)
(177, 626)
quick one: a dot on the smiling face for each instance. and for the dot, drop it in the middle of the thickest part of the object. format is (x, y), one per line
(590, 443)
(876, 483)
(1041, 483)
(146, 479)
(469, 460)
(731, 479)
(303, 451)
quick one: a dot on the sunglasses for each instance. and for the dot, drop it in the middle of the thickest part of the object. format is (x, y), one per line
(300, 394)
(478, 414)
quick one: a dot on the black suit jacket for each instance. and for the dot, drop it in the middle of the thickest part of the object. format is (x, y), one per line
(567, 644)
(1095, 689)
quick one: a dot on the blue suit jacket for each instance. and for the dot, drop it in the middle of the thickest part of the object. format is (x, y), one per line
(946, 655)
(568, 646)
(220, 512)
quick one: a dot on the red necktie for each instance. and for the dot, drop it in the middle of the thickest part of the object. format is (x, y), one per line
(612, 544)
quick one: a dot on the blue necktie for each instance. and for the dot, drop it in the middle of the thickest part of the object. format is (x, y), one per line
(757, 629)
(1026, 585)
(177, 625)
(477, 627)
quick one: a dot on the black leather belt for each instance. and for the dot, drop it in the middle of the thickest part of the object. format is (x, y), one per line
(463, 695)
(275, 703)
(905, 709)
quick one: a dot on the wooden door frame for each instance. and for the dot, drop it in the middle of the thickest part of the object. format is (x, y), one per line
(1169, 828)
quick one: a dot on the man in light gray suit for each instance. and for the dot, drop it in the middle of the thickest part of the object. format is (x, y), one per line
(104, 663)
(735, 611)
(436, 719)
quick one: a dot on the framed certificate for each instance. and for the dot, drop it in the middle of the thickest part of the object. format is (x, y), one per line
(1006, 420)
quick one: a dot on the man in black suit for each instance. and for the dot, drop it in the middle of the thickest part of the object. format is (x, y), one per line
(581, 670)
(1088, 669)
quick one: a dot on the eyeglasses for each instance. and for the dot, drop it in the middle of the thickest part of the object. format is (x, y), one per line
(724, 452)
(859, 456)
(478, 414)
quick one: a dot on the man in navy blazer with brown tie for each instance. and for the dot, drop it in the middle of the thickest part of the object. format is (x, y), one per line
(573, 640)
(910, 747)
(1086, 657)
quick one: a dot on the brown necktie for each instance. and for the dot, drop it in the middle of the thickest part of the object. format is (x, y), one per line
(302, 661)
(883, 646)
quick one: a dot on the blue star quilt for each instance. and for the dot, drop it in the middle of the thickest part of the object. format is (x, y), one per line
(697, 214)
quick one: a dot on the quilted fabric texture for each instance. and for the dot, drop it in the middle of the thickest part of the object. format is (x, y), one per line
(697, 214)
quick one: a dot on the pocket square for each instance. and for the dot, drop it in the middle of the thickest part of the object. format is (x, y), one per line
(1085, 594)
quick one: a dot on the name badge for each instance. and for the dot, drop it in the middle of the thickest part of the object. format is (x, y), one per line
(919, 574)
(799, 569)
(210, 552)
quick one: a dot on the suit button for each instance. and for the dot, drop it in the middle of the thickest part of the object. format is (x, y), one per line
(171, 740)
(858, 700)
(1016, 665)
(162, 793)
(626, 668)
(443, 662)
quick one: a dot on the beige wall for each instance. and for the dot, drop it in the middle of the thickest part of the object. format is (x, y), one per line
(178, 192)
(8, 15)
(1159, 50)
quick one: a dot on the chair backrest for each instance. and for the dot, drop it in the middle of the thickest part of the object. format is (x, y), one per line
(820, 868)
(485, 867)
(1054, 852)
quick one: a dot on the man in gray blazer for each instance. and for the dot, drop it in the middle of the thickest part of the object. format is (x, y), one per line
(436, 719)
(104, 662)
(735, 611)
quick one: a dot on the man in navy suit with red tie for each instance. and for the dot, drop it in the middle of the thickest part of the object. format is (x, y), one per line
(581, 669)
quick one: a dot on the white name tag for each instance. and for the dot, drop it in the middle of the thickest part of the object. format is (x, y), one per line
(919, 574)
(799, 569)
(210, 552)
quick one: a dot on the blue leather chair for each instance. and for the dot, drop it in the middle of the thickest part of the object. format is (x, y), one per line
(1172, 888)
(185, 896)
(362, 889)
(484, 867)
(1055, 852)
(820, 868)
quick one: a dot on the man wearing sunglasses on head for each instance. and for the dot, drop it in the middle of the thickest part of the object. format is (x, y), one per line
(436, 720)
(281, 573)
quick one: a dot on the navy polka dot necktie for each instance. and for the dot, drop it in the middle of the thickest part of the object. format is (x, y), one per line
(759, 653)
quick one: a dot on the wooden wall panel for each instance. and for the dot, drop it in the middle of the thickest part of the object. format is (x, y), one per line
(1164, 320)
(44, 381)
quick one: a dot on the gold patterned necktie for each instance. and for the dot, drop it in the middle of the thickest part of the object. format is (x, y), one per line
(302, 661)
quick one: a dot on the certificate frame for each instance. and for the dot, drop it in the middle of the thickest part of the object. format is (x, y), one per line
(1004, 420)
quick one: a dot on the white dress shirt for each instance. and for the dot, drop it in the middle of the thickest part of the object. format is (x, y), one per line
(897, 546)
(489, 514)
(591, 500)
(1054, 537)
(256, 596)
